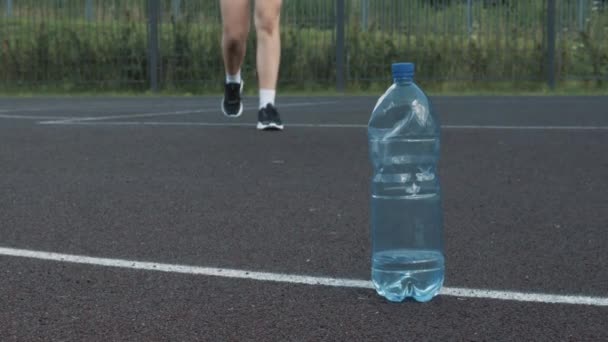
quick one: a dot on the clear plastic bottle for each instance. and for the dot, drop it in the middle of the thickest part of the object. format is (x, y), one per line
(406, 211)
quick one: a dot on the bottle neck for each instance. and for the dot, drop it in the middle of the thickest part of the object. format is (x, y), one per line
(403, 81)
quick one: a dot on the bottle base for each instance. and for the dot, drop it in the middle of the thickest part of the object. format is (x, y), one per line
(401, 274)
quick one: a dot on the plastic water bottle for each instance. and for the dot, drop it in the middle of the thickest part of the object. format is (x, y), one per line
(406, 212)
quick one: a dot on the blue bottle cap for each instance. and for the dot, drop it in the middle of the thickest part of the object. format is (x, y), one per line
(403, 70)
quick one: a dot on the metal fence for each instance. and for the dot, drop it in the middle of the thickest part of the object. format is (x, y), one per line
(332, 43)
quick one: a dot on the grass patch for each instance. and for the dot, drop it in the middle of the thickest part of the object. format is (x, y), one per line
(503, 53)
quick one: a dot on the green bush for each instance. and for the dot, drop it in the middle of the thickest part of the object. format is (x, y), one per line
(76, 54)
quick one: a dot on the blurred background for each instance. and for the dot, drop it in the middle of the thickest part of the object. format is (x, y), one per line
(328, 45)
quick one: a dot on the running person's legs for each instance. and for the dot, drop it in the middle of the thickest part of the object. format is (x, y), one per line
(235, 25)
(236, 22)
(267, 18)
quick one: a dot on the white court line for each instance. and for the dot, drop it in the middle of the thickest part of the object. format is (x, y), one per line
(197, 123)
(32, 117)
(320, 125)
(539, 127)
(76, 120)
(296, 279)
(183, 112)
(26, 109)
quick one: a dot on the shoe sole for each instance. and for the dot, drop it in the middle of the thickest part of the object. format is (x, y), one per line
(240, 112)
(232, 116)
(269, 127)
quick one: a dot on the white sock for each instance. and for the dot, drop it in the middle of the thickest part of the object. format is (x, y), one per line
(267, 96)
(234, 78)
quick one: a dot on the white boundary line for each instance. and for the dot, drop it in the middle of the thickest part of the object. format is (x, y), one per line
(32, 117)
(296, 279)
(78, 120)
(533, 127)
(17, 110)
(311, 125)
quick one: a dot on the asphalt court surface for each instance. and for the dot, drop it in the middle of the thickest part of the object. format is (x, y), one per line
(169, 180)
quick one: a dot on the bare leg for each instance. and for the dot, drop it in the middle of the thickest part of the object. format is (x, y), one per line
(235, 23)
(267, 18)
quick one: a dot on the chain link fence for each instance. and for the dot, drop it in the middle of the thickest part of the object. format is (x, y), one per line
(167, 44)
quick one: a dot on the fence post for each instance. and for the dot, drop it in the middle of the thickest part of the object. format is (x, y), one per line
(364, 15)
(581, 15)
(88, 10)
(153, 50)
(551, 44)
(469, 17)
(175, 8)
(340, 45)
(9, 8)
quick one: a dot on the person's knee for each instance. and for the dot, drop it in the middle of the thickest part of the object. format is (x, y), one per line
(234, 38)
(267, 20)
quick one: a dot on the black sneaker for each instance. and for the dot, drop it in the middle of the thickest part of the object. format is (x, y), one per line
(232, 105)
(269, 119)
